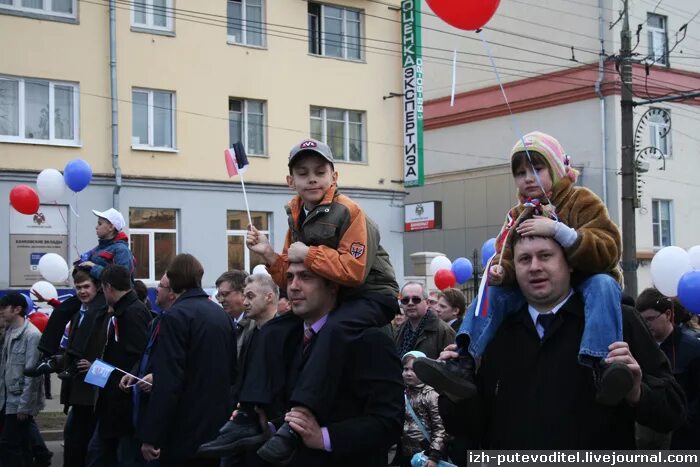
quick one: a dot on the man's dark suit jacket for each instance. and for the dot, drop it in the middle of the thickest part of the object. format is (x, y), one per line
(535, 395)
(194, 365)
(367, 415)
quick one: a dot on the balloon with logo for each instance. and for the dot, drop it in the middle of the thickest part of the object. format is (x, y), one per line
(488, 249)
(44, 289)
(53, 267)
(439, 262)
(464, 14)
(667, 267)
(444, 279)
(50, 185)
(462, 269)
(77, 174)
(24, 199)
(694, 254)
(689, 291)
(260, 269)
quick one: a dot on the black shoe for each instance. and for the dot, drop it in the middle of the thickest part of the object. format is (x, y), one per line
(243, 432)
(613, 382)
(454, 378)
(44, 366)
(280, 449)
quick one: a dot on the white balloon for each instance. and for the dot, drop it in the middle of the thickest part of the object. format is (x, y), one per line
(260, 269)
(667, 267)
(439, 262)
(694, 254)
(45, 289)
(50, 185)
(53, 267)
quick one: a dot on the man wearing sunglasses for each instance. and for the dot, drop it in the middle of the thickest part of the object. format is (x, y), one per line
(422, 330)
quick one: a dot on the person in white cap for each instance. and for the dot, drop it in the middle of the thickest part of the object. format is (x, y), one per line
(113, 245)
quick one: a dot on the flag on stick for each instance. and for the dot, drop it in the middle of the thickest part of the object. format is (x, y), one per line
(236, 164)
(236, 160)
(98, 374)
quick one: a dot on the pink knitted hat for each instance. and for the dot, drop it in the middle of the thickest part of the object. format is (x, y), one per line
(552, 151)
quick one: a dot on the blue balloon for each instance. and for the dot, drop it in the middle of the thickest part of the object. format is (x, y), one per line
(462, 269)
(77, 174)
(689, 291)
(30, 303)
(488, 249)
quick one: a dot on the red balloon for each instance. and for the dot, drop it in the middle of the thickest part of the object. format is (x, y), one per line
(24, 199)
(444, 279)
(465, 14)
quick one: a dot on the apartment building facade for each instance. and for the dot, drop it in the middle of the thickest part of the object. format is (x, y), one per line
(153, 105)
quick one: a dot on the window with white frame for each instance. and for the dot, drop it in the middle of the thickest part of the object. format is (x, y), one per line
(658, 38)
(58, 8)
(661, 221)
(240, 257)
(153, 237)
(153, 119)
(152, 14)
(246, 123)
(659, 136)
(335, 31)
(245, 22)
(35, 110)
(342, 130)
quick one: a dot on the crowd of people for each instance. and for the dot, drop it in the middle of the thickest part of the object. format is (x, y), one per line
(326, 361)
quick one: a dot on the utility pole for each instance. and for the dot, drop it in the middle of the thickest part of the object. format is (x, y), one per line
(629, 192)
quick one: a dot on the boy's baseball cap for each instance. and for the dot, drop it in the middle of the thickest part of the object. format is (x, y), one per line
(312, 145)
(113, 216)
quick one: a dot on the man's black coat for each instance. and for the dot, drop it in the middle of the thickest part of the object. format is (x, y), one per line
(194, 365)
(126, 339)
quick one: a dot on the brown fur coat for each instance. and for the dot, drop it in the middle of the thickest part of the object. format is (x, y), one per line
(598, 247)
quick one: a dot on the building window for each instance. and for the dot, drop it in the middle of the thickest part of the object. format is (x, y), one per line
(659, 136)
(240, 257)
(335, 31)
(658, 38)
(152, 14)
(153, 234)
(246, 123)
(60, 8)
(661, 219)
(342, 130)
(153, 117)
(34, 110)
(245, 22)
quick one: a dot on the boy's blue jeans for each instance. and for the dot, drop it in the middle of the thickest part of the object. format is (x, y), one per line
(602, 311)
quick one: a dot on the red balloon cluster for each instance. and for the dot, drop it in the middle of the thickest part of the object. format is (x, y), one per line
(444, 279)
(24, 199)
(465, 14)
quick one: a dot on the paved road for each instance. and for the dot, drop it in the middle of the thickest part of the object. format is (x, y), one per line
(57, 449)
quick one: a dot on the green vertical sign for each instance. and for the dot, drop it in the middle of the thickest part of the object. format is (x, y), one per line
(412, 64)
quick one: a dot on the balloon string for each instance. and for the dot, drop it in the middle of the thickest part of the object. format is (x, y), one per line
(514, 119)
(75, 245)
(454, 77)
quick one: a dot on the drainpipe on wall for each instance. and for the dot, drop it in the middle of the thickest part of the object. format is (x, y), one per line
(601, 97)
(115, 110)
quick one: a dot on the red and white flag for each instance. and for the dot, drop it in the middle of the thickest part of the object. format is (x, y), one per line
(236, 160)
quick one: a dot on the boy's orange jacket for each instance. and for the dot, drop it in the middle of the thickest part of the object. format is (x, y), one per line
(343, 245)
(598, 247)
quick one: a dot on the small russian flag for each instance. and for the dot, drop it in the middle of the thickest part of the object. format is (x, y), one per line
(236, 160)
